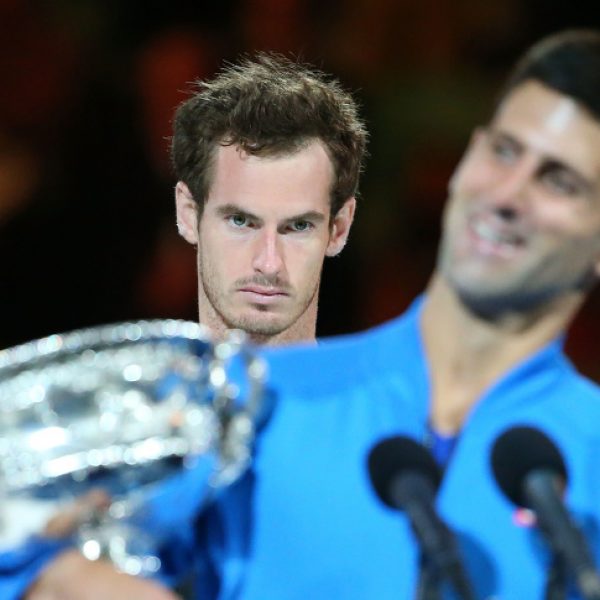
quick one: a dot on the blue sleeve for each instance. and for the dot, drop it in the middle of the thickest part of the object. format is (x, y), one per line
(169, 515)
(20, 566)
(210, 548)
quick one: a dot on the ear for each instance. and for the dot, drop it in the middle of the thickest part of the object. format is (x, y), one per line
(340, 228)
(187, 213)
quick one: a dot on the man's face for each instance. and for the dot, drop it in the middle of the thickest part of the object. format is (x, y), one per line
(522, 225)
(262, 237)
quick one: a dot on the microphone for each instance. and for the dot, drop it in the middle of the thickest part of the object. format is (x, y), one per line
(406, 477)
(530, 470)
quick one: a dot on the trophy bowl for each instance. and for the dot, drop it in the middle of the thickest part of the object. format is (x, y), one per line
(122, 407)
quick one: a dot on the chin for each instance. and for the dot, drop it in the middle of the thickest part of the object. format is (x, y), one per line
(260, 327)
(497, 303)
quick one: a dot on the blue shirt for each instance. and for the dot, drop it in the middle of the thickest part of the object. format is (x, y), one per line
(304, 521)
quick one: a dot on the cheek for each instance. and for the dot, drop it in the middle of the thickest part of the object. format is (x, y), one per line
(562, 219)
(473, 178)
(305, 261)
(218, 254)
(451, 217)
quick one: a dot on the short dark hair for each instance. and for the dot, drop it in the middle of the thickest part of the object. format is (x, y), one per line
(567, 62)
(268, 105)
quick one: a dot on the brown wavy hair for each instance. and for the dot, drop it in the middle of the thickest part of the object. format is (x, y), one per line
(268, 105)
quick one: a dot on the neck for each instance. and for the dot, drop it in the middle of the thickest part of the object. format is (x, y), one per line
(468, 353)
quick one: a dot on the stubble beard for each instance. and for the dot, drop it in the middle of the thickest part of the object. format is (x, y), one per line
(526, 289)
(256, 327)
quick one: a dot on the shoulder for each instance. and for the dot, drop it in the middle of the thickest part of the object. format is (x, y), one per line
(344, 360)
(571, 405)
(582, 400)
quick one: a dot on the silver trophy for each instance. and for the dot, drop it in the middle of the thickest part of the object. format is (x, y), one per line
(125, 408)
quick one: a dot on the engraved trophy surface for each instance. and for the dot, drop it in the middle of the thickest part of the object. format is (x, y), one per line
(123, 408)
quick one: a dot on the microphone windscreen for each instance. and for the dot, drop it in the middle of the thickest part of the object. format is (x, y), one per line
(519, 451)
(394, 456)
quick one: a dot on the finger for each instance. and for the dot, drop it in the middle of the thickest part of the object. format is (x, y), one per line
(67, 520)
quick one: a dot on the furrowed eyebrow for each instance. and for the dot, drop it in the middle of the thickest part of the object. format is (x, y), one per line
(311, 215)
(229, 209)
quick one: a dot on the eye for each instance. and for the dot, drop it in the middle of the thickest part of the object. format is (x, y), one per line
(300, 225)
(238, 220)
(562, 182)
(504, 149)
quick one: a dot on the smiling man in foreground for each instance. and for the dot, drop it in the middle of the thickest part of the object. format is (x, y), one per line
(479, 353)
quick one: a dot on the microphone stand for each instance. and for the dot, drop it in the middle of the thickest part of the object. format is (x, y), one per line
(567, 542)
(431, 577)
(556, 582)
(428, 583)
(405, 477)
(439, 554)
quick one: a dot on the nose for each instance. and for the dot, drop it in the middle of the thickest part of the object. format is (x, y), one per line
(268, 253)
(509, 192)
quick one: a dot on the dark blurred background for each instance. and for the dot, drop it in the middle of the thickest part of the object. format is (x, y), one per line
(87, 228)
